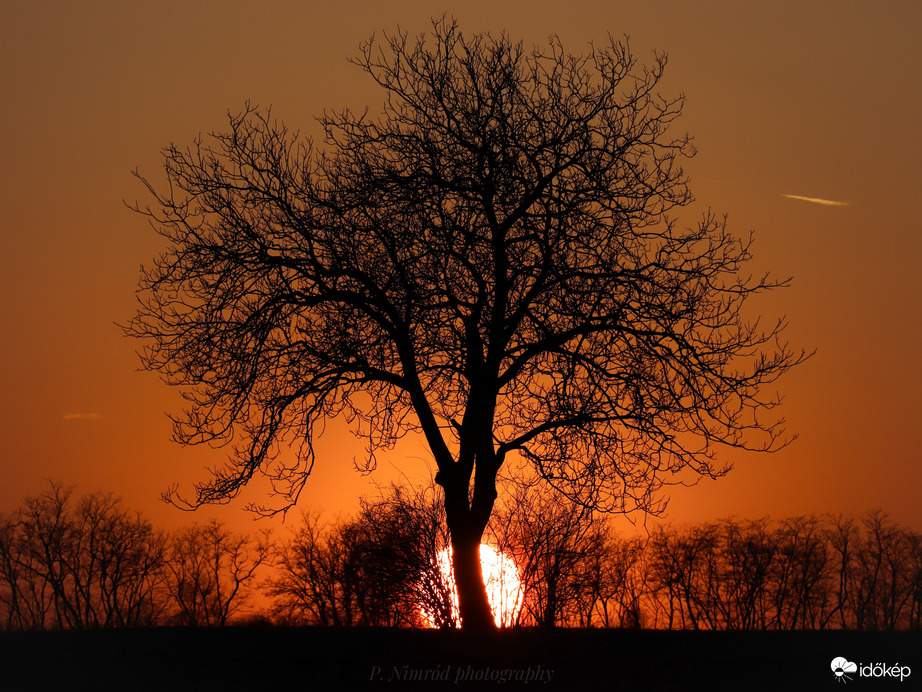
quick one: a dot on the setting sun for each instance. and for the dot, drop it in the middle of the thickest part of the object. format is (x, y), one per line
(501, 579)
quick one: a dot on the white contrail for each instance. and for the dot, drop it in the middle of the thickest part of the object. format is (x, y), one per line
(817, 200)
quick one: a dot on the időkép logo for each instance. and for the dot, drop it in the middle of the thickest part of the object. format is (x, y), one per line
(846, 670)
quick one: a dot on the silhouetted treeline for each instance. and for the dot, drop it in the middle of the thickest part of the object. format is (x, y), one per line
(799, 573)
(576, 571)
(89, 562)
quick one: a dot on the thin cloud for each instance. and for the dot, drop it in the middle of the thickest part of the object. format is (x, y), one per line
(82, 416)
(817, 200)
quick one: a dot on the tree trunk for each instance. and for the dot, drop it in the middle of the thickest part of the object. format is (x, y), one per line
(473, 603)
(467, 519)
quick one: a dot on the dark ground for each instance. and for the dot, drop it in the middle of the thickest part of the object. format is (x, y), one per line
(344, 659)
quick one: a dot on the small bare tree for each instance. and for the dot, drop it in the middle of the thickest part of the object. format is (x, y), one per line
(26, 599)
(557, 551)
(380, 568)
(914, 619)
(403, 532)
(882, 574)
(802, 576)
(212, 571)
(311, 584)
(684, 569)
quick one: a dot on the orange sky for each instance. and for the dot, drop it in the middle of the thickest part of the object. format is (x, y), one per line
(789, 102)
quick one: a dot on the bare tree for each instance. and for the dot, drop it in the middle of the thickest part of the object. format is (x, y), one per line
(311, 583)
(682, 567)
(557, 552)
(403, 534)
(86, 564)
(844, 540)
(801, 589)
(914, 619)
(380, 568)
(26, 600)
(122, 562)
(882, 574)
(212, 571)
(627, 573)
(493, 263)
(747, 551)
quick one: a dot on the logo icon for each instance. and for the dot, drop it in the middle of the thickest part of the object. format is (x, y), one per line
(841, 666)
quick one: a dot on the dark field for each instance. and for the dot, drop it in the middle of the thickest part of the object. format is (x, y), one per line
(334, 659)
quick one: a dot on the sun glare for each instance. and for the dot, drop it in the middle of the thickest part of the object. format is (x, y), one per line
(501, 578)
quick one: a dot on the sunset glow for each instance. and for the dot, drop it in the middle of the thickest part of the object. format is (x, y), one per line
(830, 120)
(500, 576)
(616, 298)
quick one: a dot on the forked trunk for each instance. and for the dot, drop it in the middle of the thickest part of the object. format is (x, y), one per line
(467, 520)
(473, 603)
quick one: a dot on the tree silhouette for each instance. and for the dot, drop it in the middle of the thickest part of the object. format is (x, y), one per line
(82, 564)
(558, 552)
(380, 568)
(212, 571)
(491, 262)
